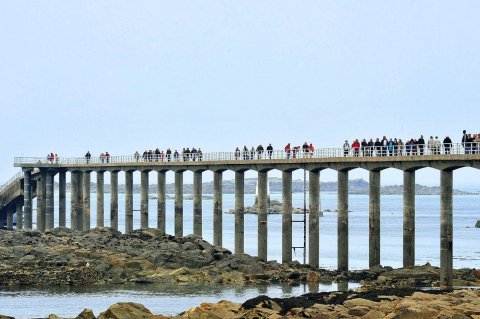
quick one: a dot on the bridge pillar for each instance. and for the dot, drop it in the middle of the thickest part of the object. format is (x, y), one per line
(313, 220)
(73, 200)
(86, 201)
(10, 211)
(217, 208)
(342, 224)
(144, 199)
(179, 204)
(49, 200)
(62, 199)
(114, 200)
(41, 203)
(128, 201)
(239, 212)
(19, 213)
(80, 202)
(374, 219)
(100, 199)
(286, 217)
(197, 203)
(408, 218)
(27, 198)
(446, 229)
(161, 199)
(262, 215)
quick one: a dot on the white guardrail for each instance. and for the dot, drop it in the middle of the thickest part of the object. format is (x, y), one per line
(379, 151)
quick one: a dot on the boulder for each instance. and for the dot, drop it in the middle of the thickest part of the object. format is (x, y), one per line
(126, 310)
(477, 225)
(86, 314)
(6, 317)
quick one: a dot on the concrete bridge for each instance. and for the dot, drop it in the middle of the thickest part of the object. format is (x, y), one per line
(38, 175)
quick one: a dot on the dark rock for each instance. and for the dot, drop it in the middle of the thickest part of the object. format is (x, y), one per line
(86, 314)
(477, 225)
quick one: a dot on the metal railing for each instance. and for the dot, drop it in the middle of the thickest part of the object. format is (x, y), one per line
(375, 151)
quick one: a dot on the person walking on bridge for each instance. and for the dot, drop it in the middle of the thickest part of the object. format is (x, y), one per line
(346, 148)
(447, 144)
(288, 150)
(421, 144)
(88, 156)
(311, 149)
(356, 147)
(259, 151)
(136, 156)
(269, 151)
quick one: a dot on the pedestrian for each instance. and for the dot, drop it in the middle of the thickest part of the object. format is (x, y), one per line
(245, 153)
(395, 147)
(356, 147)
(102, 157)
(88, 156)
(437, 145)
(464, 140)
(252, 153)
(370, 147)
(157, 154)
(176, 155)
(107, 157)
(400, 147)
(136, 156)
(237, 153)
(269, 151)
(390, 147)
(199, 154)
(194, 154)
(259, 151)
(384, 146)
(447, 144)
(57, 159)
(363, 147)
(421, 145)
(346, 148)
(430, 145)
(288, 150)
(311, 149)
(305, 149)
(378, 147)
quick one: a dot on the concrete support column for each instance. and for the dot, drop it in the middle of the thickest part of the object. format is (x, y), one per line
(114, 200)
(197, 203)
(313, 220)
(128, 202)
(49, 201)
(408, 218)
(239, 212)
(161, 199)
(62, 199)
(19, 212)
(262, 215)
(144, 199)
(27, 198)
(342, 224)
(41, 204)
(80, 202)
(10, 211)
(286, 217)
(100, 199)
(86, 201)
(217, 208)
(446, 229)
(73, 200)
(178, 204)
(374, 219)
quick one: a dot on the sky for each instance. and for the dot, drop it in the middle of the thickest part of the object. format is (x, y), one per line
(121, 76)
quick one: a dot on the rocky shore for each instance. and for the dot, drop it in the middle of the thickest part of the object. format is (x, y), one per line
(387, 303)
(103, 255)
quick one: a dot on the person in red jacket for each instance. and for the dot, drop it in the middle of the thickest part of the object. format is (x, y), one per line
(356, 147)
(311, 149)
(287, 150)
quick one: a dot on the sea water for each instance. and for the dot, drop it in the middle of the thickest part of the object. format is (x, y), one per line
(174, 299)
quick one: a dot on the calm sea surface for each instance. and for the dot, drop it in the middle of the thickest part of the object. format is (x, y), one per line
(170, 300)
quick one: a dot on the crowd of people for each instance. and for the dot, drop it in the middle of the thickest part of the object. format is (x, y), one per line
(156, 155)
(380, 147)
(395, 146)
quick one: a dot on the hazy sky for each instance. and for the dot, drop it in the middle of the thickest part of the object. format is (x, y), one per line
(133, 75)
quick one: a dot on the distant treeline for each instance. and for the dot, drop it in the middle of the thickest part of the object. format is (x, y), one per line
(356, 186)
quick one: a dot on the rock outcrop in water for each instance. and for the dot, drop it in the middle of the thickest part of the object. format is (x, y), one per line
(274, 208)
(104, 255)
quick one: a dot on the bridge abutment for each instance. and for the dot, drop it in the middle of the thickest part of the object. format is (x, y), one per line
(374, 219)
(408, 218)
(197, 203)
(179, 204)
(62, 199)
(161, 199)
(217, 208)
(446, 229)
(262, 215)
(128, 202)
(313, 219)
(342, 221)
(100, 199)
(287, 217)
(239, 212)
(144, 199)
(114, 199)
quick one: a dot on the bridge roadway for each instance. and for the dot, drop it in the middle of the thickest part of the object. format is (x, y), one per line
(80, 170)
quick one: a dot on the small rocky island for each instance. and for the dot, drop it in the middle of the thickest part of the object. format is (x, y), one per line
(275, 207)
